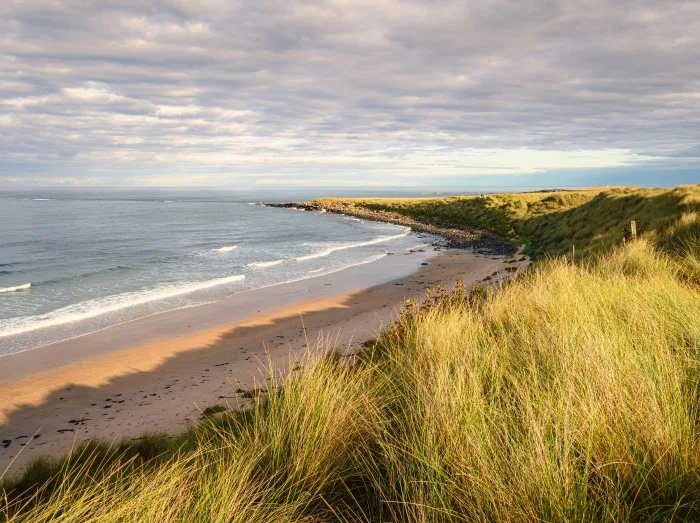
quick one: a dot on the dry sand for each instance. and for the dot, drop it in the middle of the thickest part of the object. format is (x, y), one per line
(110, 386)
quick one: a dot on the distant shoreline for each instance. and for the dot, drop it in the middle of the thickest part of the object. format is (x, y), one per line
(456, 236)
(101, 281)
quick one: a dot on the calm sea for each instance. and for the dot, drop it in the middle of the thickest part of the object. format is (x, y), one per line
(72, 262)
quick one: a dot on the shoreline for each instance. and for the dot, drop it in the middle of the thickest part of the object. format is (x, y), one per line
(163, 384)
(90, 315)
(252, 290)
(455, 236)
(226, 310)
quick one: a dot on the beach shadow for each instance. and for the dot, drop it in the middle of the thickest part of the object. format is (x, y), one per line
(173, 393)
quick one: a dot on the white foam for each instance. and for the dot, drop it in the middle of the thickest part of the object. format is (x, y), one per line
(362, 262)
(228, 248)
(99, 306)
(371, 259)
(41, 199)
(307, 277)
(331, 250)
(259, 265)
(22, 287)
(418, 247)
(316, 270)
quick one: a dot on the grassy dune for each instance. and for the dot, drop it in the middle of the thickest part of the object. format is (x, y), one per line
(550, 222)
(570, 394)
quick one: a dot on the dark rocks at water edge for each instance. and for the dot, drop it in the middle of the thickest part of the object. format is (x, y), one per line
(456, 236)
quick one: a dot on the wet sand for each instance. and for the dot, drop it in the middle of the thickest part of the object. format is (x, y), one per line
(159, 373)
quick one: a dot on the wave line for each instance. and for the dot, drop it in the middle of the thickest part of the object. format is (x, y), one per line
(99, 306)
(22, 287)
(331, 250)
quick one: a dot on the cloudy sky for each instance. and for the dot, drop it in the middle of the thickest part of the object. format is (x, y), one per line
(349, 92)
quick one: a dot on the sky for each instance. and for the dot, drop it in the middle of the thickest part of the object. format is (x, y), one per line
(350, 92)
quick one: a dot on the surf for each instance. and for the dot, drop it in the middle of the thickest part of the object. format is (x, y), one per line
(227, 248)
(99, 306)
(331, 250)
(16, 288)
(261, 265)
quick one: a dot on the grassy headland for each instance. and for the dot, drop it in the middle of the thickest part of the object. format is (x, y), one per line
(570, 394)
(548, 222)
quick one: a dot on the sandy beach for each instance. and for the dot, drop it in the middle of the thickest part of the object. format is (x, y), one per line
(159, 373)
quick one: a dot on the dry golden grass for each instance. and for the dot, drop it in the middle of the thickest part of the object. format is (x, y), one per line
(570, 394)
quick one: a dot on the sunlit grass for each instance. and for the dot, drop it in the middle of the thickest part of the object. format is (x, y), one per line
(297, 454)
(550, 223)
(570, 394)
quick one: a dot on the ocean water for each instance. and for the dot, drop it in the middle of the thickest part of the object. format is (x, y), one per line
(76, 262)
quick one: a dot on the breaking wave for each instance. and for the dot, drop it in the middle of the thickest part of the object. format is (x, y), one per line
(331, 250)
(259, 265)
(22, 287)
(99, 306)
(227, 248)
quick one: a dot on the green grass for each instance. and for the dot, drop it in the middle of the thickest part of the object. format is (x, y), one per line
(499, 213)
(570, 394)
(550, 223)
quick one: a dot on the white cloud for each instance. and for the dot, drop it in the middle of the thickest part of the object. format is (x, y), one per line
(86, 94)
(353, 91)
(175, 110)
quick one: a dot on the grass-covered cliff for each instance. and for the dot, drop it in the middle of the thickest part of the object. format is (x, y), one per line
(570, 394)
(548, 222)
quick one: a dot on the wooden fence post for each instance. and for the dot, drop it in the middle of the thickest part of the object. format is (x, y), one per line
(633, 230)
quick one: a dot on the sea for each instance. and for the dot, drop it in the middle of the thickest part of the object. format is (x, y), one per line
(74, 261)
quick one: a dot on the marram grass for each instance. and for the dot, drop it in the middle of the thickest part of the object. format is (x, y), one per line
(295, 456)
(570, 394)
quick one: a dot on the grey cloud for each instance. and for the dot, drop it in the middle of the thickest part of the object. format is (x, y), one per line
(248, 89)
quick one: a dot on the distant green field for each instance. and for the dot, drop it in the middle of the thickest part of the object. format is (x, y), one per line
(551, 222)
